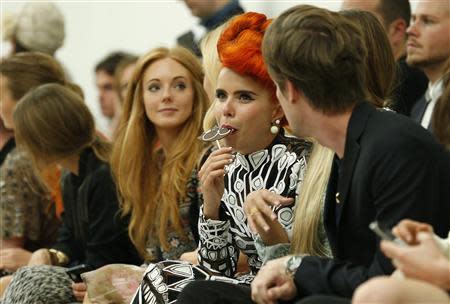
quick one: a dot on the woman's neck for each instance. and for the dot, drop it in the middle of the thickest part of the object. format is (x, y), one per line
(167, 138)
(71, 163)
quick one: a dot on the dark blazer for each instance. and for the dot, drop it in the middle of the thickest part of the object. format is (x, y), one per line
(93, 231)
(392, 169)
(410, 87)
(418, 109)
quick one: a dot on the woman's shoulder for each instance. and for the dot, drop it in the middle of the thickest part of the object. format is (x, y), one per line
(16, 159)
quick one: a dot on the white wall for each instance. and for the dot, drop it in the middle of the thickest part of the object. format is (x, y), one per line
(95, 28)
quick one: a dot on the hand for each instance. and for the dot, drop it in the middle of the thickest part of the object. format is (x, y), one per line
(79, 291)
(211, 180)
(262, 219)
(423, 262)
(13, 258)
(40, 257)
(407, 230)
(272, 283)
(190, 257)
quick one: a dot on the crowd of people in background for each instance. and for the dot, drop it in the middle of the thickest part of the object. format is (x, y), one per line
(301, 159)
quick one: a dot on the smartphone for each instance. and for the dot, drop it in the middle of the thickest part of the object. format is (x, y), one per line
(385, 234)
(76, 271)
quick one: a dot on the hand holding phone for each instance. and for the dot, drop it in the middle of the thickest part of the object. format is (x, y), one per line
(386, 234)
(76, 271)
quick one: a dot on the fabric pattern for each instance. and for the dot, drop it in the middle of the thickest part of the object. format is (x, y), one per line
(162, 282)
(279, 168)
(42, 284)
(26, 208)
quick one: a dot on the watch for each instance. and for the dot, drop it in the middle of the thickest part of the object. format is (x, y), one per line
(292, 264)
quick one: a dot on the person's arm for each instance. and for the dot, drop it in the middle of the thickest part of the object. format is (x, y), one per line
(17, 201)
(107, 239)
(65, 242)
(217, 249)
(403, 186)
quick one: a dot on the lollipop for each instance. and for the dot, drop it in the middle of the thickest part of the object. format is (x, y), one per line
(215, 134)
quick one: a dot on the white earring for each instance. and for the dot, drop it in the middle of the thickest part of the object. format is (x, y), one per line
(275, 128)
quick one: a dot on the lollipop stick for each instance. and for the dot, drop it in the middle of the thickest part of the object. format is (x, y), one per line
(218, 143)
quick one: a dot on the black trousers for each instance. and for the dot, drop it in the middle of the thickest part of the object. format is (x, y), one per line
(213, 292)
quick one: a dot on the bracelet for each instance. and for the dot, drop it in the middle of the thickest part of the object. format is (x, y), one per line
(57, 257)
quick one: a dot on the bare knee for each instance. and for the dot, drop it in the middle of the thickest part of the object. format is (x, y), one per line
(377, 290)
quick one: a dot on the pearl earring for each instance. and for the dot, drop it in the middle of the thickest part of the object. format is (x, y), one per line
(275, 128)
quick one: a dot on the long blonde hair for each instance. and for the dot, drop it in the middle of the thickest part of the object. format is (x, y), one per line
(152, 200)
(212, 66)
(306, 238)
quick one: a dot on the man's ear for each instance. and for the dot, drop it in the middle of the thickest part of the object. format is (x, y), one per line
(292, 93)
(396, 31)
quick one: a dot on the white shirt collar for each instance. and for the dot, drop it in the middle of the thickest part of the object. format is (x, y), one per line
(434, 91)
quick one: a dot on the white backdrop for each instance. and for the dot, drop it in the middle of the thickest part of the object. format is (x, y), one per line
(96, 28)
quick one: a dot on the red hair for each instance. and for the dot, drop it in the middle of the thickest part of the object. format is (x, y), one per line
(239, 48)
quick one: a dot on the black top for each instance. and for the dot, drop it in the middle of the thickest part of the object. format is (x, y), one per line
(412, 84)
(93, 231)
(188, 40)
(10, 144)
(392, 169)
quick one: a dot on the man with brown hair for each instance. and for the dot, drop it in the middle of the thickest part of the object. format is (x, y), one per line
(395, 16)
(386, 167)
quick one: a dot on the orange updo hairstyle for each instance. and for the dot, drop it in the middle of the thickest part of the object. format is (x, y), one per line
(239, 48)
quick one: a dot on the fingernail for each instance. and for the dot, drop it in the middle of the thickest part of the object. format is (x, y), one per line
(274, 216)
(266, 228)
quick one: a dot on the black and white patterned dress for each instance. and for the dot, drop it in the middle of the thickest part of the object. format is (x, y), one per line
(279, 168)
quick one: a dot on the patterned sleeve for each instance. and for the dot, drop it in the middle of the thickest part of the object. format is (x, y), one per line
(217, 250)
(20, 199)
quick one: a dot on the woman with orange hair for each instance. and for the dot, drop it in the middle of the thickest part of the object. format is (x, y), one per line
(242, 182)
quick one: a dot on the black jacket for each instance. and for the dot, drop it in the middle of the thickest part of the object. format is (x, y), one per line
(93, 231)
(392, 169)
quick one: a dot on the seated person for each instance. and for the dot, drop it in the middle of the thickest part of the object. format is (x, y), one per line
(30, 200)
(257, 158)
(424, 263)
(92, 232)
(157, 146)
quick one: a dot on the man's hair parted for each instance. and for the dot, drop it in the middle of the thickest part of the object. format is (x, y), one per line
(321, 53)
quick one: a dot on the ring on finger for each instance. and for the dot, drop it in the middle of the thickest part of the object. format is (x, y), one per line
(253, 211)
